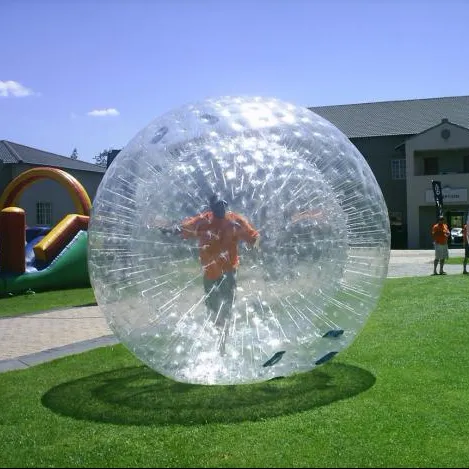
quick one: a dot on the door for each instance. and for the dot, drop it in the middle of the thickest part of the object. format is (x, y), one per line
(455, 223)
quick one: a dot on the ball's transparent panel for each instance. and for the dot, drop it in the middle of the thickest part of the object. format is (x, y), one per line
(301, 298)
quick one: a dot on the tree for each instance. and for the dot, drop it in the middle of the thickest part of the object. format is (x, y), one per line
(101, 159)
(74, 155)
(105, 157)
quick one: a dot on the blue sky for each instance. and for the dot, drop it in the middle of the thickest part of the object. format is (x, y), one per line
(91, 73)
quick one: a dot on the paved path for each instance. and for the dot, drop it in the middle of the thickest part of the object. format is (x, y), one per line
(405, 263)
(34, 338)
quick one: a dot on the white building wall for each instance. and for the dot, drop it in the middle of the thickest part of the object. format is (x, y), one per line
(456, 186)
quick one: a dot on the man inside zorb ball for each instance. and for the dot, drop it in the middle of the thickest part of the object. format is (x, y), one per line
(236, 240)
(219, 233)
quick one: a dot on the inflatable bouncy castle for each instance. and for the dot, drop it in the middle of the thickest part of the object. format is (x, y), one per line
(43, 258)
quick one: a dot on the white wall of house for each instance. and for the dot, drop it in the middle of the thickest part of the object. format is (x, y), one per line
(46, 192)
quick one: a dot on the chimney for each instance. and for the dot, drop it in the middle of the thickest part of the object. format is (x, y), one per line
(110, 157)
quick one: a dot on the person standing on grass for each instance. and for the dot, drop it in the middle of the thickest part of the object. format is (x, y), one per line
(440, 234)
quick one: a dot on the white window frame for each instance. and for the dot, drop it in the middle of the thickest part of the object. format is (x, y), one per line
(398, 168)
(44, 213)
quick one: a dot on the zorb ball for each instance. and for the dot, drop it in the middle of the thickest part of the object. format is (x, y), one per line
(300, 298)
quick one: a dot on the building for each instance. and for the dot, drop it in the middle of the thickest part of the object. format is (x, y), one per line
(46, 201)
(407, 145)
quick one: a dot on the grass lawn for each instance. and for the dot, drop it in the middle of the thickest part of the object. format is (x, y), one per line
(454, 260)
(30, 303)
(397, 397)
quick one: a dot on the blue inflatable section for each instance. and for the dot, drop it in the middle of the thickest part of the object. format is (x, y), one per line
(33, 236)
(35, 231)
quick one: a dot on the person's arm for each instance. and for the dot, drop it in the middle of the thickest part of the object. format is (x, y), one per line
(446, 230)
(191, 227)
(247, 232)
(188, 228)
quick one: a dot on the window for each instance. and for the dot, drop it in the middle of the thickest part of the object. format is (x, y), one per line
(398, 169)
(396, 221)
(44, 213)
(466, 164)
(430, 166)
(395, 218)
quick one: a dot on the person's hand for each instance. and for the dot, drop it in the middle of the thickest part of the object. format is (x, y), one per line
(257, 243)
(164, 225)
(158, 222)
(171, 230)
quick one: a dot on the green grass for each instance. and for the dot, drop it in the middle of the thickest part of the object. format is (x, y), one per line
(397, 397)
(458, 260)
(31, 303)
(454, 260)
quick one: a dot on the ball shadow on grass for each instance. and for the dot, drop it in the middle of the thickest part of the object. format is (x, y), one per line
(140, 396)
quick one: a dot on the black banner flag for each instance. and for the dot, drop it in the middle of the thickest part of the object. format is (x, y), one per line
(438, 195)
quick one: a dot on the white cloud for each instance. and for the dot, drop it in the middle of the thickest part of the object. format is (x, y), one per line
(104, 112)
(15, 89)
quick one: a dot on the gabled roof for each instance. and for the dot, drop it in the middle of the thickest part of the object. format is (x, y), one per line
(395, 117)
(11, 152)
(444, 123)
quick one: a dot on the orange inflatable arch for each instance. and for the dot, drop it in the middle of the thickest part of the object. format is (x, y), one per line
(13, 191)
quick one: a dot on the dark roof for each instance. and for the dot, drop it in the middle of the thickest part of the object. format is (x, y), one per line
(395, 117)
(11, 152)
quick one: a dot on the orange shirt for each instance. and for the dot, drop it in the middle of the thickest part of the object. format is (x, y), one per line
(440, 233)
(218, 240)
